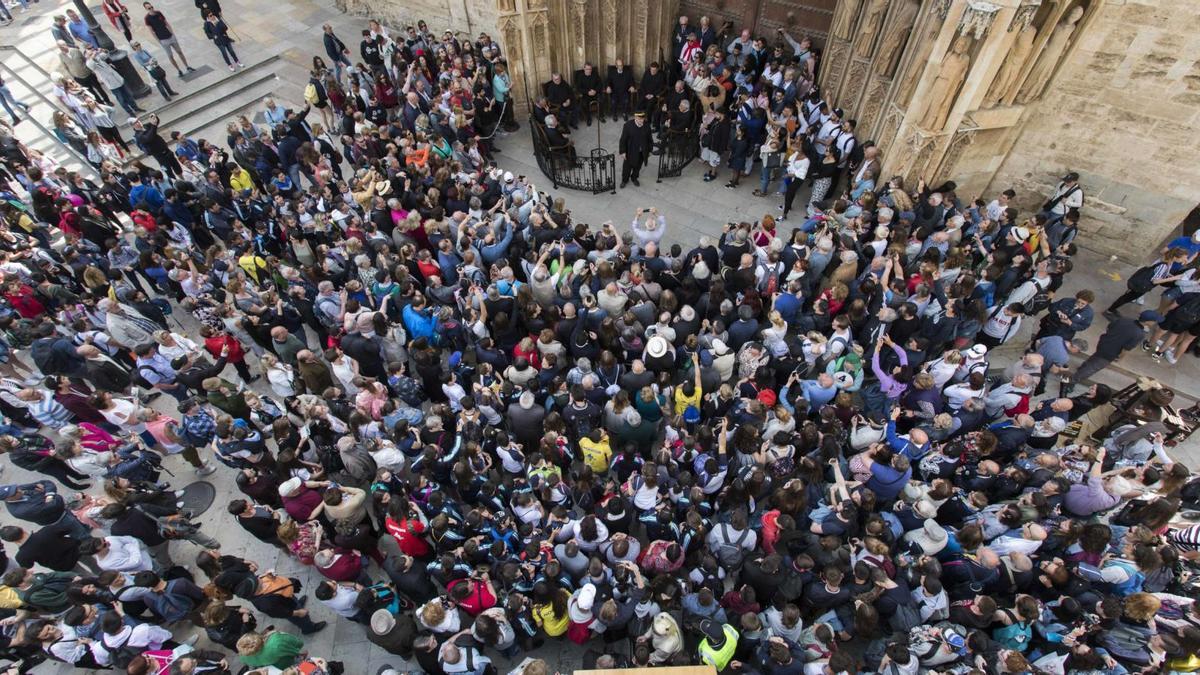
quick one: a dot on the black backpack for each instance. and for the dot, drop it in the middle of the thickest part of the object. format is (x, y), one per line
(121, 656)
(1038, 303)
(1142, 281)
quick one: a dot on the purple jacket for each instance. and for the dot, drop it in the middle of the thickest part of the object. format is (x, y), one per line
(888, 384)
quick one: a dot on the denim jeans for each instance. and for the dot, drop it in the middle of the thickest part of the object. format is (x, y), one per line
(228, 54)
(10, 102)
(125, 99)
(765, 179)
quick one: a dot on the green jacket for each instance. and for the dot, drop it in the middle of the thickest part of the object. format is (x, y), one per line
(280, 650)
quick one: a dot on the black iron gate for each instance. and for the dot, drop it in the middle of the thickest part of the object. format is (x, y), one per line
(679, 148)
(595, 172)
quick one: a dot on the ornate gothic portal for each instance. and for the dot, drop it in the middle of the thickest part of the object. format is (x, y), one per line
(540, 37)
(942, 85)
(547, 36)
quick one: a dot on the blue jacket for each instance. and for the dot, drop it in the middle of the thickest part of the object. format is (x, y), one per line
(419, 323)
(497, 250)
(905, 446)
(146, 193)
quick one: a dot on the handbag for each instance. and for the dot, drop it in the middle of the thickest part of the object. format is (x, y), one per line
(270, 584)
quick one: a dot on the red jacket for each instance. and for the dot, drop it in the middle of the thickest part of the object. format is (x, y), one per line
(215, 343)
(410, 536)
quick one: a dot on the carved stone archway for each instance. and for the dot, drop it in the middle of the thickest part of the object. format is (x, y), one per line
(922, 77)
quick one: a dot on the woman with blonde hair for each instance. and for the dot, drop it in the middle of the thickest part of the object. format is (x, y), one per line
(280, 376)
(301, 539)
(774, 336)
(665, 638)
(276, 649)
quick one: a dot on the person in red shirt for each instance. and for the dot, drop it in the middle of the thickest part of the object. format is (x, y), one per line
(216, 341)
(302, 500)
(473, 595)
(342, 564)
(408, 528)
(20, 296)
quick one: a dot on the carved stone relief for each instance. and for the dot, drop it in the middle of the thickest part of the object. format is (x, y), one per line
(1010, 70)
(831, 74)
(895, 37)
(872, 105)
(843, 19)
(872, 21)
(977, 18)
(1051, 54)
(940, 97)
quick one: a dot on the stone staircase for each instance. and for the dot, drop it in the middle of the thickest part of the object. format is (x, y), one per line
(198, 112)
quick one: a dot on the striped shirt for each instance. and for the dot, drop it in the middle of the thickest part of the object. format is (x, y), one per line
(50, 412)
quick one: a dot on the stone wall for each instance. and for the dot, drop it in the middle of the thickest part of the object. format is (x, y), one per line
(467, 18)
(1124, 112)
(801, 17)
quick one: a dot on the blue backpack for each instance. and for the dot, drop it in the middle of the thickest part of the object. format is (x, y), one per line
(1131, 585)
(1016, 635)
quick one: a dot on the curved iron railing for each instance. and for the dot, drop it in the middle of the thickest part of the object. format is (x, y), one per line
(679, 148)
(595, 172)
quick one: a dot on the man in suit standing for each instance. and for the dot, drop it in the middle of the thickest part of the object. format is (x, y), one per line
(635, 148)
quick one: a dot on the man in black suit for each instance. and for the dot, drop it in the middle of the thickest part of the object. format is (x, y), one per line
(620, 88)
(102, 371)
(635, 148)
(653, 85)
(589, 92)
(561, 94)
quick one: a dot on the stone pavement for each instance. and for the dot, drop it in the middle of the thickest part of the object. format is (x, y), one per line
(277, 46)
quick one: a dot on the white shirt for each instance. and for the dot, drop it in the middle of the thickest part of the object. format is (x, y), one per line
(182, 347)
(67, 648)
(144, 636)
(125, 554)
(94, 464)
(342, 601)
(1005, 545)
(1002, 326)
(798, 165)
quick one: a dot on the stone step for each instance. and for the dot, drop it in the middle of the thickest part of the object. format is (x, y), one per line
(202, 102)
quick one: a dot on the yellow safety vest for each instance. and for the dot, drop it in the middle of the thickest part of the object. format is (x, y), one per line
(719, 658)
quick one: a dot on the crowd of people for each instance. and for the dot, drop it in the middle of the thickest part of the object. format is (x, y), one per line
(488, 425)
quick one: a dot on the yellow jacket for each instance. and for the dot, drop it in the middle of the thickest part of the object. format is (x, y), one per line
(241, 180)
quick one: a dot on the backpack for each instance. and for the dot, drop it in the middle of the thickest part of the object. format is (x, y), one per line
(1188, 313)
(139, 380)
(782, 467)
(730, 553)
(1142, 281)
(121, 656)
(770, 281)
(330, 323)
(168, 606)
(1020, 408)
(1038, 303)
(905, 619)
(1015, 636)
(1131, 585)
(45, 358)
(310, 94)
(1127, 643)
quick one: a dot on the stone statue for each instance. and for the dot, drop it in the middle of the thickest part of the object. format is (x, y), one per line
(844, 18)
(872, 19)
(1011, 69)
(940, 97)
(895, 37)
(1051, 54)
